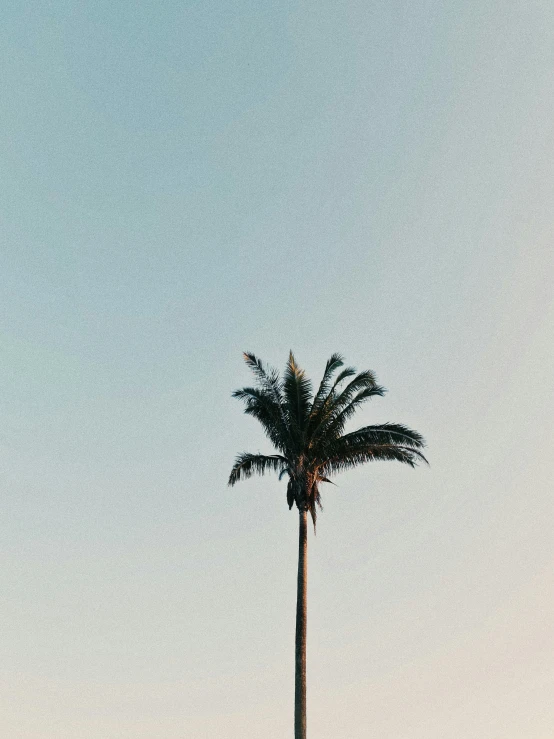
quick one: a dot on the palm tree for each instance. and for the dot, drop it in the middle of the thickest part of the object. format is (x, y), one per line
(307, 432)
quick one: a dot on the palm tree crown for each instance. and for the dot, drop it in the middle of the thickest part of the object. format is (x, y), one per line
(307, 429)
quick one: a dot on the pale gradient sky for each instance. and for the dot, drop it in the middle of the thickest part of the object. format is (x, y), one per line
(183, 181)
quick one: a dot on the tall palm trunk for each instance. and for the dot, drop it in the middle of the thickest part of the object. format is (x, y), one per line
(301, 618)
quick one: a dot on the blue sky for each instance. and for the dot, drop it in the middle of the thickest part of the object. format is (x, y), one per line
(187, 181)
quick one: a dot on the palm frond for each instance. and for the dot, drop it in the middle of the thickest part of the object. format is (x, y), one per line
(261, 405)
(247, 464)
(266, 376)
(337, 402)
(369, 443)
(344, 375)
(325, 404)
(333, 363)
(297, 392)
(385, 433)
(360, 454)
(336, 421)
(308, 431)
(269, 381)
(363, 381)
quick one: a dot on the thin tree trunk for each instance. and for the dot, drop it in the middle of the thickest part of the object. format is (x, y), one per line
(301, 618)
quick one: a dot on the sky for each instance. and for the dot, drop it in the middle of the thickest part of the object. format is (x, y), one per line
(185, 181)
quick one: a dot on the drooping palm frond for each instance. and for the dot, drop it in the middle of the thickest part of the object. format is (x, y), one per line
(297, 392)
(385, 433)
(261, 405)
(313, 504)
(359, 454)
(269, 381)
(247, 464)
(382, 441)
